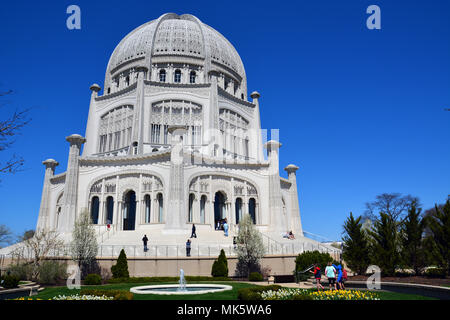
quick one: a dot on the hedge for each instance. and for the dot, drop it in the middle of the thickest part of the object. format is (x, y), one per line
(10, 281)
(166, 279)
(254, 292)
(93, 279)
(255, 276)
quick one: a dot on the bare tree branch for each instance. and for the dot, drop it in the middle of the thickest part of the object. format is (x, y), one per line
(9, 128)
(393, 204)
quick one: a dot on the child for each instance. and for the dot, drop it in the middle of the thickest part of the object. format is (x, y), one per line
(318, 277)
(344, 278)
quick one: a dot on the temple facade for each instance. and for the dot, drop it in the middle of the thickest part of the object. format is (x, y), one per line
(173, 140)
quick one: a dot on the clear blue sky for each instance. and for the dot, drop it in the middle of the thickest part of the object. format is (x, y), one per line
(360, 111)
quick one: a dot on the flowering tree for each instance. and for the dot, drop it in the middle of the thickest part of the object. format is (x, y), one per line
(84, 246)
(250, 248)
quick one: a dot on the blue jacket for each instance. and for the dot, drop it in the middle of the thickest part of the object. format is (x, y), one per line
(339, 270)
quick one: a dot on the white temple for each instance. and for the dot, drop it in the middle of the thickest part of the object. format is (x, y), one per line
(172, 141)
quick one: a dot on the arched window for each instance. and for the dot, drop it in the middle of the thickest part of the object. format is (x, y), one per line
(191, 209)
(177, 76)
(192, 77)
(109, 209)
(57, 217)
(162, 75)
(129, 211)
(238, 209)
(127, 80)
(160, 206)
(252, 209)
(95, 203)
(147, 201)
(202, 208)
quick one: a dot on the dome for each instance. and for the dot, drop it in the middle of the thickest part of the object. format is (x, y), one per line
(176, 37)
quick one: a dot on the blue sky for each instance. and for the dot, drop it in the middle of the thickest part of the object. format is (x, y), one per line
(360, 111)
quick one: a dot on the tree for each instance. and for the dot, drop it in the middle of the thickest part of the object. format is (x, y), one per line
(306, 259)
(384, 244)
(43, 244)
(220, 266)
(5, 235)
(412, 230)
(249, 247)
(393, 205)
(84, 246)
(439, 225)
(26, 235)
(120, 269)
(10, 126)
(355, 245)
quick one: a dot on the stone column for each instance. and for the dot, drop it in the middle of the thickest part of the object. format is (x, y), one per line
(277, 222)
(175, 221)
(44, 210)
(257, 127)
(69, 201)
(138, 120)
(296, 222)
(92, 124)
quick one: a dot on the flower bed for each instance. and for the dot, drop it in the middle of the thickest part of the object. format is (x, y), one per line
(292, 293)
(82, 297)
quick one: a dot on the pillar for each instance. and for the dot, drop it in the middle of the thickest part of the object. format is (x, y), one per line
(176, 214)
(69, 201)
(296, 224)
(92, 124)
(277, 222)
(257, 136)
(44, 210)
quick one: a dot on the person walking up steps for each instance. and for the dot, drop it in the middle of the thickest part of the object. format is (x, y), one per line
(145, 240)
(193, 234)
(330, 272)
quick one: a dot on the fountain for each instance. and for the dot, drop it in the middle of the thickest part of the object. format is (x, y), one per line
(181, 288)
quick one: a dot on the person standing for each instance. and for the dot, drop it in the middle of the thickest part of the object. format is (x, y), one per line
(188, 248)
(340, 285)
(193, 234)
(330, 272)
(225, 227)
(145, 240)
(343, 278)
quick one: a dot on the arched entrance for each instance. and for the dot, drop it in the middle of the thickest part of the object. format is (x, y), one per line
(129, 211)
(219, 208)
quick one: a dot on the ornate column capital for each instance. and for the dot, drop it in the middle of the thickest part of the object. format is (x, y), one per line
(50, 163)
(75, 139)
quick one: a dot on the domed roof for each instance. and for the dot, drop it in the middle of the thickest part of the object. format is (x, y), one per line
(174, 35)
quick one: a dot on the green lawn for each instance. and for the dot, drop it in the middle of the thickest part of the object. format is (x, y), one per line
(49, 293)
(401, 296)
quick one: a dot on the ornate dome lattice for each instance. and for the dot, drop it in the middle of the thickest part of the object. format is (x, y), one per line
(174, 35)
